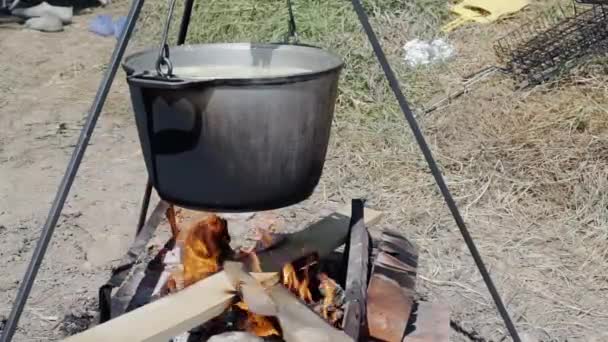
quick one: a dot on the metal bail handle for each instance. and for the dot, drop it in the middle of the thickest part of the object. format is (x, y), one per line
(163, 60)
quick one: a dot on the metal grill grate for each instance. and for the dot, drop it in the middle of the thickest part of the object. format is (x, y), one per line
(554, 42)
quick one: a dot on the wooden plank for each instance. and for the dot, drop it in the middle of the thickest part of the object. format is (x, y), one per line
(169, 316)
(432, 324)
(356, 275)
(299, 323)
(390, 295)
(252, 292)
(321, 237)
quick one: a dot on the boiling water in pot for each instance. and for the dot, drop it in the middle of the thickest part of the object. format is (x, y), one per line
(235, 71)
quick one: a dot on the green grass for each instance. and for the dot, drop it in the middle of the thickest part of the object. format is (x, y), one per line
(331, 24)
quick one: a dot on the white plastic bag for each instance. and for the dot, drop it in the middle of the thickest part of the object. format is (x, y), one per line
(420, 52)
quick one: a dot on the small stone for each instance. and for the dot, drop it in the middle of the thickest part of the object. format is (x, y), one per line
(64, 14)
(45, 24)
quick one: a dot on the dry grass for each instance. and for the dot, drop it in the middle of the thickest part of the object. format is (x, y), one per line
(528, 168)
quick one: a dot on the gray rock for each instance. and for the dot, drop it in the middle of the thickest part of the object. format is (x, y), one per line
(45, 24)
(44, 10)
(235, 337)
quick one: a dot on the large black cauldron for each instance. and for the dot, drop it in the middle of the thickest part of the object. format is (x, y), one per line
(235, 142)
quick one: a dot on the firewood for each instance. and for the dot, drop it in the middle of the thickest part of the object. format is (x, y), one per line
(321, 237)
(299, 323)
(171, 315)
(252, 292)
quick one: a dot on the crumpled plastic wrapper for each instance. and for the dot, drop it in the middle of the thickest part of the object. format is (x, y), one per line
(420, 52)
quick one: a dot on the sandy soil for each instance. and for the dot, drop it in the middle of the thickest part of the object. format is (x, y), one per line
(47, 85)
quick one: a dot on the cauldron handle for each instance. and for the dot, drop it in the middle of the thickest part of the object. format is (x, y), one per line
(163, 59)
(292, 37)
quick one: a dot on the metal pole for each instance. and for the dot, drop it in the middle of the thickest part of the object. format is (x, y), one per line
(428, 155)
(181, 39)
(183, 29)
(70, 174)
(143, 213)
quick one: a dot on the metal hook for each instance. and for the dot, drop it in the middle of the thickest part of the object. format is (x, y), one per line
(163, 53)
(164, 61)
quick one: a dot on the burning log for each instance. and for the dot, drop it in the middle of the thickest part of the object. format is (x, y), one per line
(251, 291)
(322, 238)
(331, 308)
(299, 323)
(205, 246)
(169, 316)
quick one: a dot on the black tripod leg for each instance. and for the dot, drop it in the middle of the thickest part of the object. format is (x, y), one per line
(183, 28)
(143, 213)
(70, 174)
(428, 155)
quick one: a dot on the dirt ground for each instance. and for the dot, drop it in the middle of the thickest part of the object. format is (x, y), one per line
(528, 169)
(47, 85)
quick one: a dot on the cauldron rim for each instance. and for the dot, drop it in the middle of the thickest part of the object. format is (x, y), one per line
(146, 75)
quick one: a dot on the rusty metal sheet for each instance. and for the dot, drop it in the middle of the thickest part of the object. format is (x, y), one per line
(390, 295)
(358, 253)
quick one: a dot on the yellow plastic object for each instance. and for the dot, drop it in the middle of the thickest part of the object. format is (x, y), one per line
(483, 11)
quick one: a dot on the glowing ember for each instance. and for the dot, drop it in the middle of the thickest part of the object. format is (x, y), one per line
(257, 324)
(330, 308)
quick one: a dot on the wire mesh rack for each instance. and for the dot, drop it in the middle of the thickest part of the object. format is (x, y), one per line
(554, 42)
(596, 2)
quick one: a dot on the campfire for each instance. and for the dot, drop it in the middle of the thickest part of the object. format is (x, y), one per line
(201, 250)
(294, 287)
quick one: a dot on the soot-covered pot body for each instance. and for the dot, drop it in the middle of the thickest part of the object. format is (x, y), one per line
(236, 144)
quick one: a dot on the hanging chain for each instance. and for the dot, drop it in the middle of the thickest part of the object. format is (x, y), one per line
(163, 60)
(292, 35)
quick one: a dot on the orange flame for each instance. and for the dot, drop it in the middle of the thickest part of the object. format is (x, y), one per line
(328, 309)
(295, 285)
(204, 246)
(257, 324)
